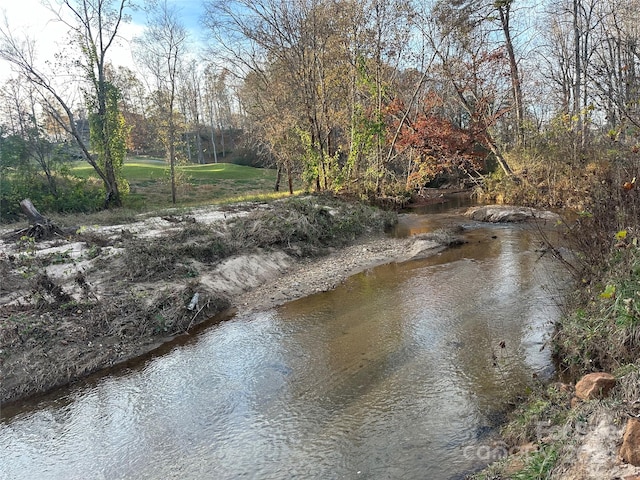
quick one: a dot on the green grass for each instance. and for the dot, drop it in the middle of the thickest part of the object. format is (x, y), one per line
(538, 465)
(140, 170)
(149, 182)
(227, 171)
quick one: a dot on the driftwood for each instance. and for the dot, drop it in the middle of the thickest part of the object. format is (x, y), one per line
(174, 219)
(35, 218)
(40, 227)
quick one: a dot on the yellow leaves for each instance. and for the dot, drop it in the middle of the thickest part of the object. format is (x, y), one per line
(609, 292)
(629, 185)
(624, 240)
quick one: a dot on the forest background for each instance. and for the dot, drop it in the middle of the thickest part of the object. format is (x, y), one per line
(533, 103)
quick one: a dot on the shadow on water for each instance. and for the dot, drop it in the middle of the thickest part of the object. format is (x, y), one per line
(62, 395)
(441, 203)
(400, 372)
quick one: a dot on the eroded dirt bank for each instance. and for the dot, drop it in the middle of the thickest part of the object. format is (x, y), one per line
(102, 295)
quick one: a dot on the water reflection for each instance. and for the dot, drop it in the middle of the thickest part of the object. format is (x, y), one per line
(392, 375)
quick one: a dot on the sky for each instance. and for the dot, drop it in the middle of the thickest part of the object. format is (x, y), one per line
(31, 18)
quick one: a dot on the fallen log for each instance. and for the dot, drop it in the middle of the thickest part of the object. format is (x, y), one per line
(40, 227)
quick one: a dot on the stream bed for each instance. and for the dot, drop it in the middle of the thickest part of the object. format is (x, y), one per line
(402, 371)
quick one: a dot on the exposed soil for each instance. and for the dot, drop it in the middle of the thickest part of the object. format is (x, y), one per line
(311, 275)
(103, 295)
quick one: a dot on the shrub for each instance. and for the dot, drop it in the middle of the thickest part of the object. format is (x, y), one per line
(72, 196)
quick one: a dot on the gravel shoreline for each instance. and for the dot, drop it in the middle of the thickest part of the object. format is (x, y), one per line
(313, 275)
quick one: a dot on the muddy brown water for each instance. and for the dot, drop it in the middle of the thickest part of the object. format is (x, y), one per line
(402, 371)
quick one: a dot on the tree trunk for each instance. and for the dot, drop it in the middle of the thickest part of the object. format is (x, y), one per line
(32, 213)
(500, 159)
(172, 165)
(222, 147)
(278, 177)
(199, 147)
(215, 149)
(41, 228)
(188, 142)
(515, 74)
(290, 178)
(577, 77)
(112, 195)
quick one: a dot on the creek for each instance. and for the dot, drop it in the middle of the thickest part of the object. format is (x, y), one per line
(402, 371)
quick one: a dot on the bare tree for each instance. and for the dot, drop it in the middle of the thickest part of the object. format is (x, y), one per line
(190, 94)
(334, 62)
(504, 11)
(20, 110)
(211, 111)
(94, 26)
(570, 53)
(614, 73)
(161, 49)
(474, 67)
(281, 46)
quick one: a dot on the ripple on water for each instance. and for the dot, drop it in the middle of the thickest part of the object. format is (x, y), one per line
(393, 375)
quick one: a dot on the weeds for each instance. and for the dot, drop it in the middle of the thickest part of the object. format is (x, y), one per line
(538, 464)
(300, 226)
(546, 406)
(606, 333)
(548, 177)
(602, 333)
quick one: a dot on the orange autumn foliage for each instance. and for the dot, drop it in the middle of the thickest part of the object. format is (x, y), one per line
(437, 145)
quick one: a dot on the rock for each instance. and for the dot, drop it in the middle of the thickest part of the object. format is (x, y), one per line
(630, 450)
(508, 213)
(595, 385)
(593, 450)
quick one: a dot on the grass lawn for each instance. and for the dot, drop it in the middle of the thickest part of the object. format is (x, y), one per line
(196, 184)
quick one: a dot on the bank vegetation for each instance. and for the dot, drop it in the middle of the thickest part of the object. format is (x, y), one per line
(526, 103)
(94, 296)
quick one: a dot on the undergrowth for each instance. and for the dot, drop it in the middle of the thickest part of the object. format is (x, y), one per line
(600, 330)
(550, 179)
(604, 334)
(300, 226)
